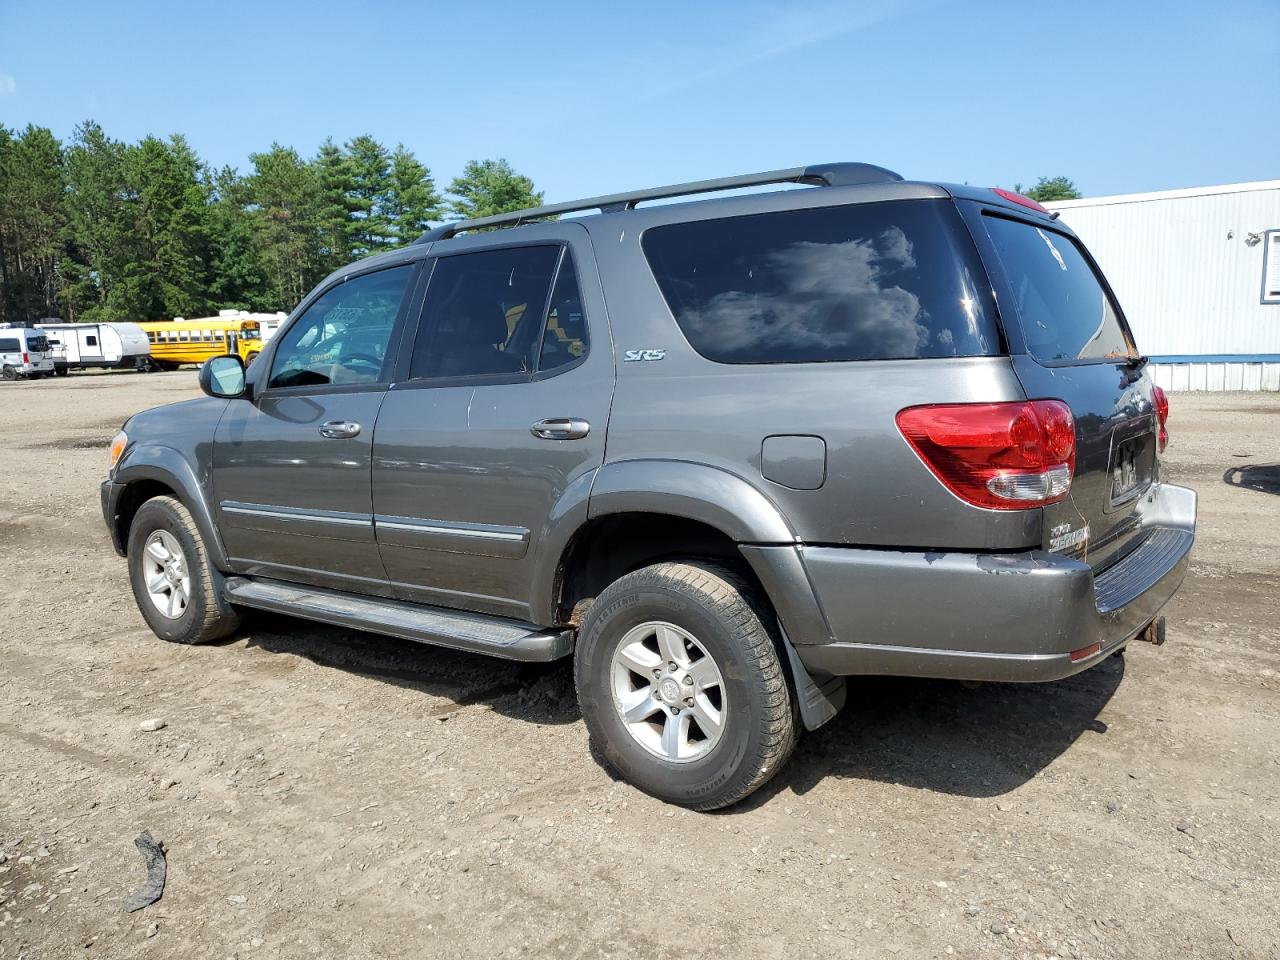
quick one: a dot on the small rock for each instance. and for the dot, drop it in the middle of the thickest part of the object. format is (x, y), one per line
(153, 930)
(971, 911)
(42, 852)
(256, 942)
(152, 725)
(999, 929)
(1112, 806)
(237, 899)
(1185, 827)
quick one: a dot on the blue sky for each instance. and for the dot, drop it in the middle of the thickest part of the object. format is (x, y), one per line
(592, 97)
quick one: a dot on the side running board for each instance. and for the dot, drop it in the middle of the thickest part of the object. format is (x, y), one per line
(475, 632)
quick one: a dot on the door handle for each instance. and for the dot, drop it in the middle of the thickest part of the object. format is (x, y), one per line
(560, 428)
(340, 429)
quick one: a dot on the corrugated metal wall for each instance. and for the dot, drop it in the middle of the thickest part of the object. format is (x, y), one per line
(1187, 276)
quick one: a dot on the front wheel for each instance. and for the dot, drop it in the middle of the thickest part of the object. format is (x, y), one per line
(681, 686)
(172, 581)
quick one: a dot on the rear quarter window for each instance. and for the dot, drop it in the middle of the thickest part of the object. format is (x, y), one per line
(1064, 310)
(876, 281)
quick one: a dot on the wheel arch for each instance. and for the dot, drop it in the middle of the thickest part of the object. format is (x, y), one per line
(152, 470)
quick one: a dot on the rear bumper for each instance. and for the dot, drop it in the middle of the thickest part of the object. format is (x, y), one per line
(1003, 617)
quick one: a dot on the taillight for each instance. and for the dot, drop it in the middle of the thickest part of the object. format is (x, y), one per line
(1019, 199)
(1161, 401)
(1002, 456)
(25, 357)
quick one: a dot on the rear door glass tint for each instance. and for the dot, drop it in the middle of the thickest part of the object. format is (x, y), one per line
(874, 281)
(1065, 313)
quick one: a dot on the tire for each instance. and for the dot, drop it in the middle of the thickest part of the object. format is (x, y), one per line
(199, 619)
(8, 373)
(61, 371)
(252, 356)
(713, 611)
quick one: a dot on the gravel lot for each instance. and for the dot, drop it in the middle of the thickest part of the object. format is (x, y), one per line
(327, 793)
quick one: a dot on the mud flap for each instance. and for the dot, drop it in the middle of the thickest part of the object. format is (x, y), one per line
(819, 703)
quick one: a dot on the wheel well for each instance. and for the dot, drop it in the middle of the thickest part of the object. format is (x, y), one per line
(610, 547)
(134, 496)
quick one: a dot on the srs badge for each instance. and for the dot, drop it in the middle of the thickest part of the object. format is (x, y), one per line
(1063, 538)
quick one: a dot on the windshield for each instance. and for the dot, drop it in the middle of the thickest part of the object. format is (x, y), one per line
(1065, 313)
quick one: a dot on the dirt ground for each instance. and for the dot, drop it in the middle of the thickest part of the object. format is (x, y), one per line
(324, 793)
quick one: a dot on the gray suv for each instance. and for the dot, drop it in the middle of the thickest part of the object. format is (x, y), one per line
(724, 453)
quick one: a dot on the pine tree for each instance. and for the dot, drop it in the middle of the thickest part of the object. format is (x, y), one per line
(285, 197)
(99, 233)
(489, 187)
(336, 185)
(371, 188)
(413, 203)
(32, 217)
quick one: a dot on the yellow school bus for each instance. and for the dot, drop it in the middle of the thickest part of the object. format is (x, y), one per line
(175, 342)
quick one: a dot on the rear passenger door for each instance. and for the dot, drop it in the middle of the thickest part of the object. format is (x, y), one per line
(499, 407)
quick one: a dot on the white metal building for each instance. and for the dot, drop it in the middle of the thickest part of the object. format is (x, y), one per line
(1197, 273)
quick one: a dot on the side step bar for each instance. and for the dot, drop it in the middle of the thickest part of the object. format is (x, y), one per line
(475, 632)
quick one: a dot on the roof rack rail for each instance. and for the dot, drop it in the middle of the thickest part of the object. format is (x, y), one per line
(821, 174)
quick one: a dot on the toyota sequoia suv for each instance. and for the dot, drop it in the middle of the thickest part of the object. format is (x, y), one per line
(724, 453)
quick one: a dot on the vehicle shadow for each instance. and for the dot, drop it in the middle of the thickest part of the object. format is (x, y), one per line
(539, 693)
(1265, 478)
(966, 739)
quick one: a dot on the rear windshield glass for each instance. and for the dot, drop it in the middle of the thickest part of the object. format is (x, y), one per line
(875, 281)
(1066, 315)
(38, 344)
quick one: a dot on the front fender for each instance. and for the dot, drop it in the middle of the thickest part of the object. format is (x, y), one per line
(154, 461)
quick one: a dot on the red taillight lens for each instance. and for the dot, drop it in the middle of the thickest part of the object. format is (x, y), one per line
(1161, 401)
(1002, 456)
(25, 359)
(1018, 199)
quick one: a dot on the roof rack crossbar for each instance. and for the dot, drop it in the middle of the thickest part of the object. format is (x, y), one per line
(825, 175)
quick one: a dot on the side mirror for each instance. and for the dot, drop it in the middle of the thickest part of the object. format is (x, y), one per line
(223, 377)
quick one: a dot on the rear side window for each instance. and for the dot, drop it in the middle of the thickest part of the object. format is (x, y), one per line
(483, 313)
(1065, 313)
(876, 281)
(9, 344)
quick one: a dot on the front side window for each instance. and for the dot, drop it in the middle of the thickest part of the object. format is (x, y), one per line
(483, 314)
(872, 281)
(1065, 313)
(344, 335)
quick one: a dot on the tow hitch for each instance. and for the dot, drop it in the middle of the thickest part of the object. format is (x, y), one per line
(1153, 632)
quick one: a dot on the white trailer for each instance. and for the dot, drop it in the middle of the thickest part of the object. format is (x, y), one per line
(1197, 273)
(84, 345)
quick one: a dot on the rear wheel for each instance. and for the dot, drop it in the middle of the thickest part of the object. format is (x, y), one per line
(681, 685)
(62, 371)
(8, 373)
(171, 577)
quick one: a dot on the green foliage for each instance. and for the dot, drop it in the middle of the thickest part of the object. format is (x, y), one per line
(488, 187)
(104, 230)
(31, 221)
(1051, 188)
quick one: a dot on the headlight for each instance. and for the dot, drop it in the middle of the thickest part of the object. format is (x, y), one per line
(118, 443)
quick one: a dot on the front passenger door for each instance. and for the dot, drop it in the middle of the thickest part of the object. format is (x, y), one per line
(291, 467)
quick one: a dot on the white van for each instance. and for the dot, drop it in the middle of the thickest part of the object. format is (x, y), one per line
(84, 345)
(24, 352)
